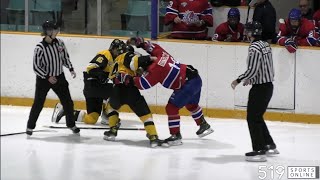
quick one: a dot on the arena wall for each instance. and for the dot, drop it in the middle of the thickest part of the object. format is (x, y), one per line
(296, 95)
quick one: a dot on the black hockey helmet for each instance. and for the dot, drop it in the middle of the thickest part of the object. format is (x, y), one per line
(49, 26)
(255, 28)
(118, 45)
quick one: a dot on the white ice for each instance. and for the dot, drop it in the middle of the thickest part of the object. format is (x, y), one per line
(58, 155)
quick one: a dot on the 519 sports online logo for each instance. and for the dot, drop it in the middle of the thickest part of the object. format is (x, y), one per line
(288, 172)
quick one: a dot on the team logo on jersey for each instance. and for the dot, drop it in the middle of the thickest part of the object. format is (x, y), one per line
(184, 4)
(190, 17)
(60, 48)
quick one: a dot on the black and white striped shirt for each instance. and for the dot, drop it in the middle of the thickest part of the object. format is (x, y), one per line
(260, 64)
(49, 59)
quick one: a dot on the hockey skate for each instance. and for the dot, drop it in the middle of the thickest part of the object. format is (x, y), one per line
(204, 128)
(256, 156)
(155, 141)
(174, 139)
(29, 132)
(58, 113)
(75, 130)
(271, 150)
(111, 134)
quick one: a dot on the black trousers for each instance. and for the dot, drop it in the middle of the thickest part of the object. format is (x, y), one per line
(259, 98)
(95, 93)
(131, 96)
(61, 88)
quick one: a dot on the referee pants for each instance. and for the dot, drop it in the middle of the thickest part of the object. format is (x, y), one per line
(61, 88)
(259, 98)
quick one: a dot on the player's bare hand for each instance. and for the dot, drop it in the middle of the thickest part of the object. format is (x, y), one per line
(246, 82)
(52, 79)
(234, 84)
(177, 20)
(73, 74)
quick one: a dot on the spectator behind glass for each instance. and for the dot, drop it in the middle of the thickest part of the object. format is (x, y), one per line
(265, 13)
(232, 30)
(306, 11)
(189, 19)
(297, 31)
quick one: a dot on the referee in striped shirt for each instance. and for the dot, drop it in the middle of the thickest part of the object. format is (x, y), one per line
(50, 55)
(260, 74)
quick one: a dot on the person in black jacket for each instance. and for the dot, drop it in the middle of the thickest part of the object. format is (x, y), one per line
(265, 14)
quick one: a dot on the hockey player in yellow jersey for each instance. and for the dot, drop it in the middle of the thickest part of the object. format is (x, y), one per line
(125, 92)
(97, 87)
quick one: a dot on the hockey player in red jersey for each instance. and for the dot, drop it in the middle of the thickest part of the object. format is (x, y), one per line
(316, 18)
(183, 79)
(232, 30)
(190, 19)
(297, 31)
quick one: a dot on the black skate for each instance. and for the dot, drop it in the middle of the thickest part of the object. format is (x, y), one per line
(155, 141)
(29, 132)
(75, 130)
(174, 139)
(204, 128)
(58, 113)
(256, 156)
(111, 134)
(271, 150)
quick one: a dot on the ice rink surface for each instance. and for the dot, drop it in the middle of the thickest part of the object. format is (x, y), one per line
(59, 155)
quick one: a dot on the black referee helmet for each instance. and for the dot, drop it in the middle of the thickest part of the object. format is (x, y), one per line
(255, 28)
(49, 26)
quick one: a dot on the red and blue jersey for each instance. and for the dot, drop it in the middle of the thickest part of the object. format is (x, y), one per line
(303, 36)
(165, 70)
(189, 12)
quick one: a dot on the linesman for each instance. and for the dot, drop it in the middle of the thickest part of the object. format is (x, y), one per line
(260, 74)
(50, 55)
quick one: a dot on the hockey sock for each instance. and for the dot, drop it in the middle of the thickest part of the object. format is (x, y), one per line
(196, 112)
(91, 118)
(113, 118)
(149, 124)
(173, 118)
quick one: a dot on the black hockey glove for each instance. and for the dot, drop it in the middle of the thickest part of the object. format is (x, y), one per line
(103, 78)
(144, 62)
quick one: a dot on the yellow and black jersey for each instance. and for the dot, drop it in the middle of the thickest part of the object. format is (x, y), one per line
(128, 63)
(125, 63)
(102, 61)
